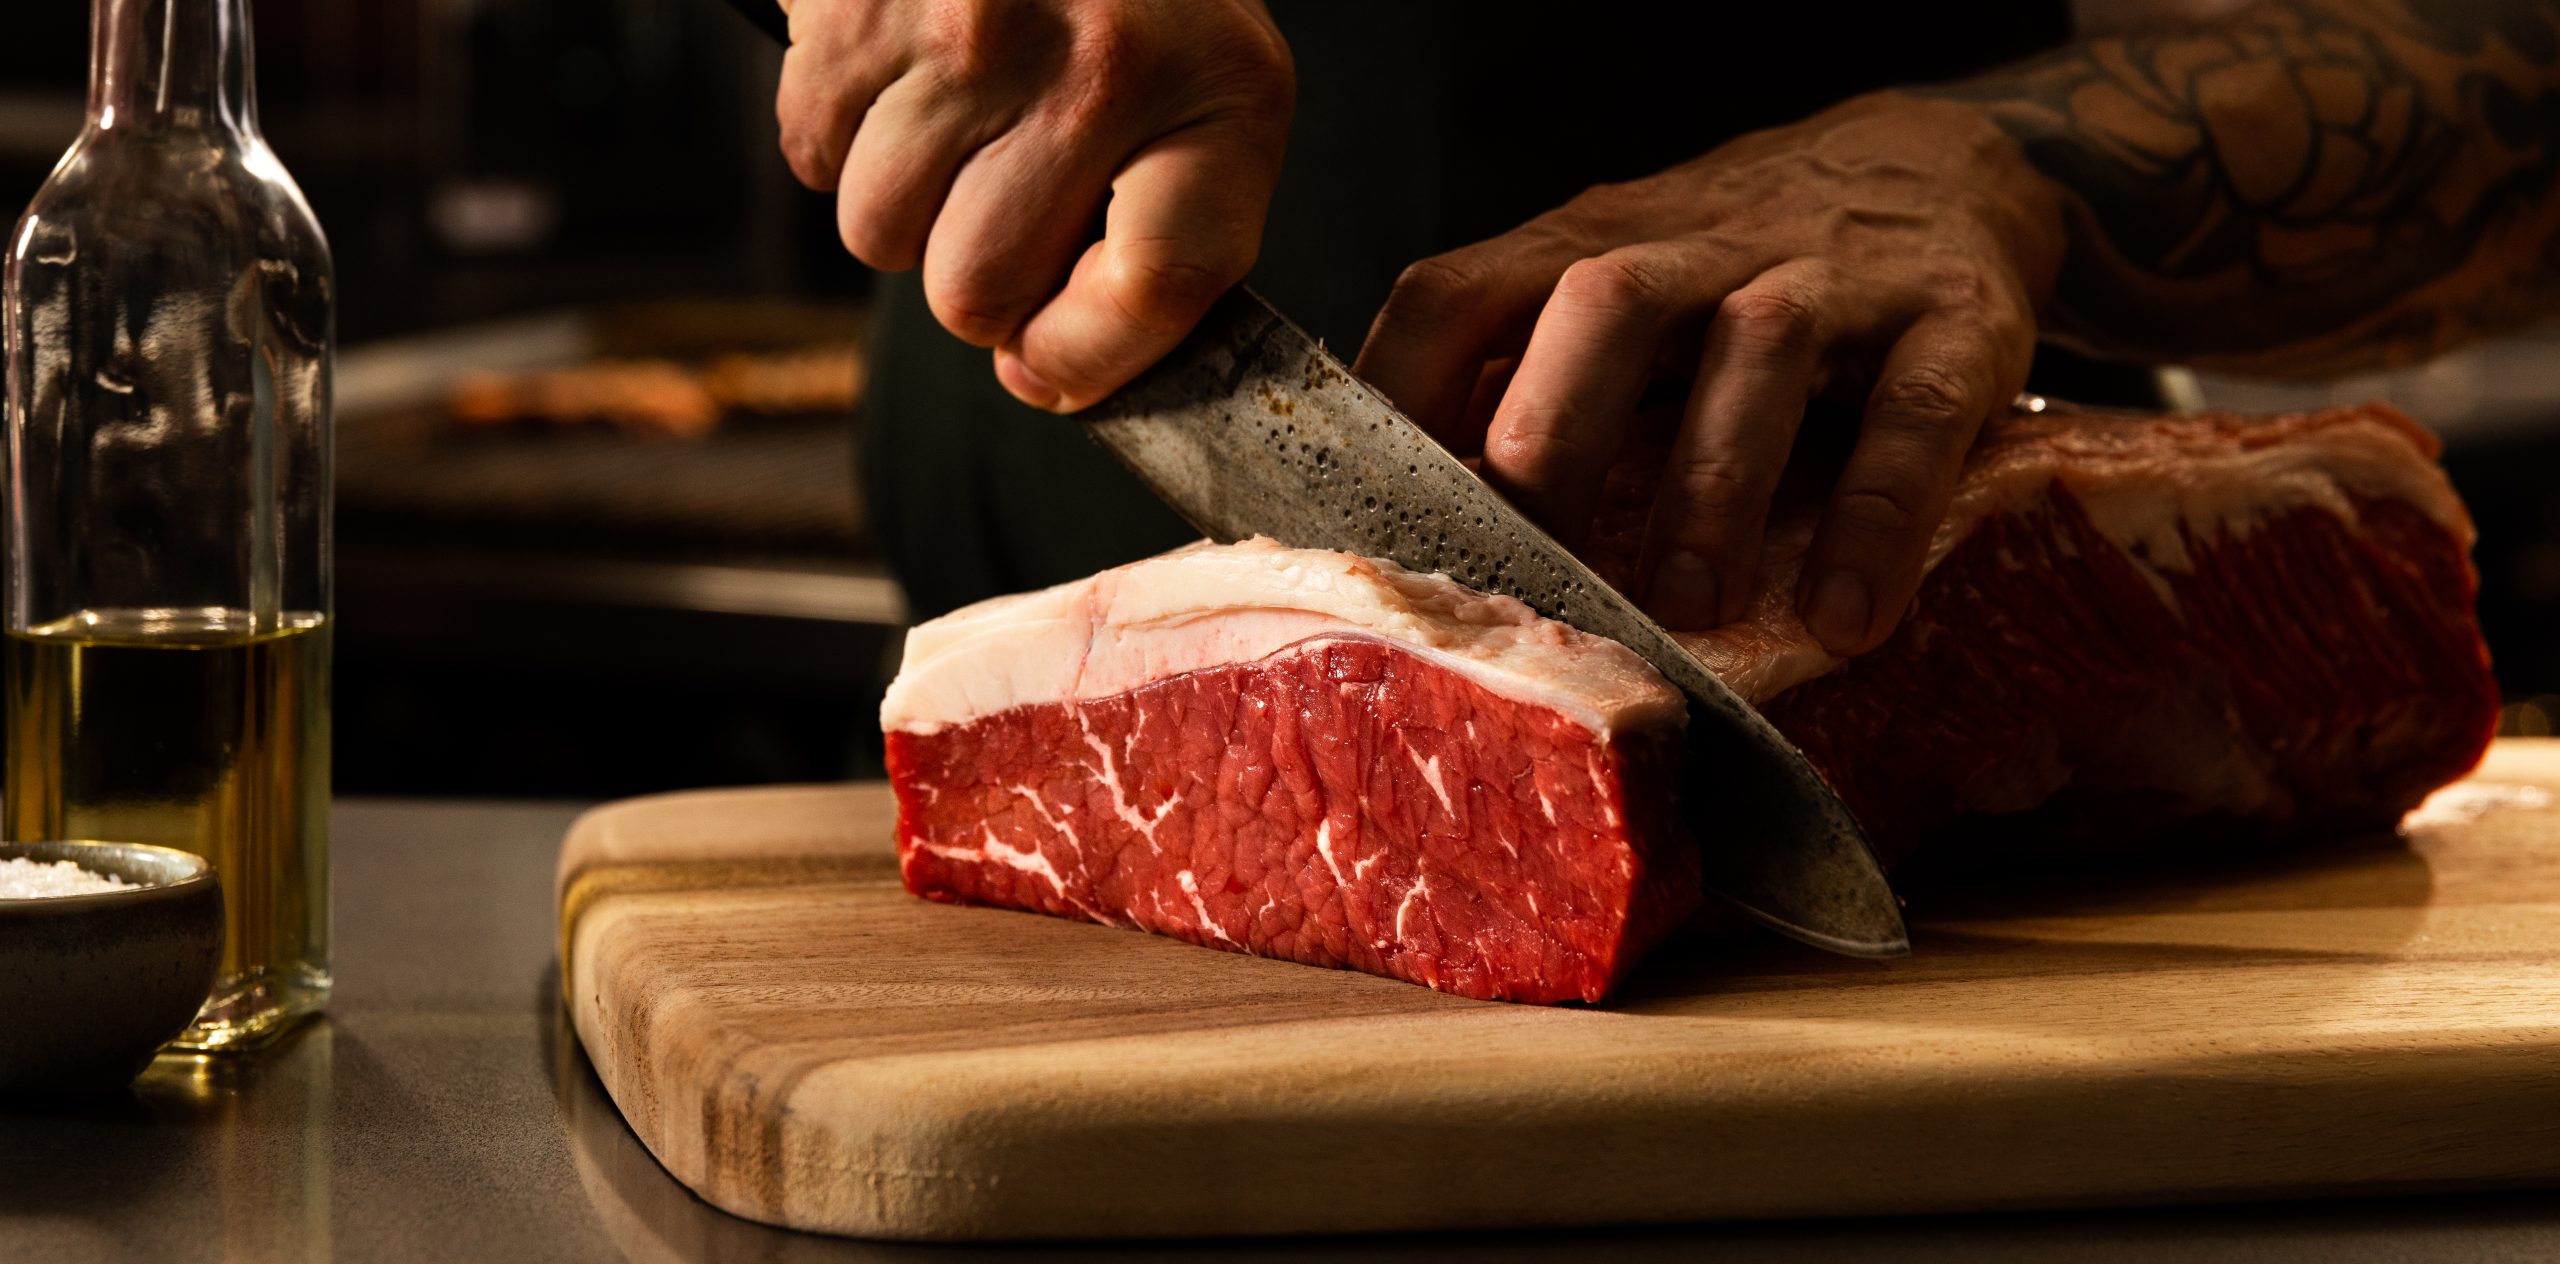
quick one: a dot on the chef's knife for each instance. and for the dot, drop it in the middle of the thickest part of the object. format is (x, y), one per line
(1251, 428)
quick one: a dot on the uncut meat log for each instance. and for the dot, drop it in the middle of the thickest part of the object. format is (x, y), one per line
(1299, 754)
(2140, 632)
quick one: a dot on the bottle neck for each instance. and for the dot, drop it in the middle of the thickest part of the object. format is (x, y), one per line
(171, 65)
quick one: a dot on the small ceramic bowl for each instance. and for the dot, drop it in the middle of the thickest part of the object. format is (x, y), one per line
(92, 985)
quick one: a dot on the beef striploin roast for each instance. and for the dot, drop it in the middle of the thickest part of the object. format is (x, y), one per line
(2248, 628)
(1300, 754)
(2251, 629)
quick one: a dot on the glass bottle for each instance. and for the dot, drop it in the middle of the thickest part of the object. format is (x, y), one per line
(168, 495)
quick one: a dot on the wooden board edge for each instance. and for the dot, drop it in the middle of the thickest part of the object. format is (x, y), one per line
(899, 1157)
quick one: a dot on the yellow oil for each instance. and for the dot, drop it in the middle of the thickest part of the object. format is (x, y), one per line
(189, 729)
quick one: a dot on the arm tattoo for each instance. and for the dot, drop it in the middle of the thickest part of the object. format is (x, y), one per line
(2313, 185)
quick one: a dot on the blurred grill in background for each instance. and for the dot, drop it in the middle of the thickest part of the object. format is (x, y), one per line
(598, 531)
(599, 527)
(606, 550)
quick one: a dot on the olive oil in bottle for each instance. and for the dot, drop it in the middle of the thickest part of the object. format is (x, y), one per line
(188, 729)
(169, 329)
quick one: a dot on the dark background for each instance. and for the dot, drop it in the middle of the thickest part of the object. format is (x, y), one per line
(648, 122)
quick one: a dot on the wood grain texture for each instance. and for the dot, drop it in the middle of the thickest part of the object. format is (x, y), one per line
(801, 1042)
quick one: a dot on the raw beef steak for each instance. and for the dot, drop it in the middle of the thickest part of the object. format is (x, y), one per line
(1303, 755)
(2143, 632)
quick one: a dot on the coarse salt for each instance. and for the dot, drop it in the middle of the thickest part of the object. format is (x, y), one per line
(23, 879)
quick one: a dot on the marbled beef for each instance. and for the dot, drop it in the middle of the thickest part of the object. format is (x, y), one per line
(2207, 631)
(1299, 754)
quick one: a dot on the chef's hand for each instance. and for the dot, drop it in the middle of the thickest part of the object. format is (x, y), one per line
(1892, 245)
(979, 137)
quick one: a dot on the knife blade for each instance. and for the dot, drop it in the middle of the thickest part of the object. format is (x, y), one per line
(1251, 428)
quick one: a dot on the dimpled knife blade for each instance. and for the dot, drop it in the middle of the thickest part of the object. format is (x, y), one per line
(1251, 428)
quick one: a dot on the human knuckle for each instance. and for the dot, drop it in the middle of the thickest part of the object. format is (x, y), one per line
(1105, 56)
(1619, 281)
(1534, 443)
(1253, 69)
(1081, 108)
(797, 134)
(1813, 274)
(1439, 286)
(1778, 318)
(1077, 372)
(1269, 83)
(961, 45)
(1703, 506)
(801, 154)
(1073, 363)
(972, 309)
(1712, 483)
(1253, 93)
(1162, 291)
(1953, 283)
(1927, 394)
(1968, 293)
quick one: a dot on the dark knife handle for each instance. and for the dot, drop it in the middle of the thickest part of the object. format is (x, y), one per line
(767, 16)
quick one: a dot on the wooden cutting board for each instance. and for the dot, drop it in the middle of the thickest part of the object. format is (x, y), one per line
(801, 1042)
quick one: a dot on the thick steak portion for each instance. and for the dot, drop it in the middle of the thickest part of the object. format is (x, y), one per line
(1300, 755)
(2146, 632)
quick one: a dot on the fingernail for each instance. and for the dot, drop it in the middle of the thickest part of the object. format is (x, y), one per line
(1027, 386)
(1837, 616)
(1683, 594)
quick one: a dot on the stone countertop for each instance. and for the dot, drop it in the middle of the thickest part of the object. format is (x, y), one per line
(443, 1112)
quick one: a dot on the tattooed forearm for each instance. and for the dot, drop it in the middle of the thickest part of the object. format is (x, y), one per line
(2312, 185)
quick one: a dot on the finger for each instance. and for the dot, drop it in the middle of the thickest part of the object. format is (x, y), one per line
(1702, 548)
(1938, 384)
(1184, 224)
(898, 174)
(1493, 382)
(1450, 314)
(989, 261)
(828, 84)
(1563, 420)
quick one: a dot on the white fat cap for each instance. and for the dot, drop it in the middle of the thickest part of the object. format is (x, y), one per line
(1205, 606)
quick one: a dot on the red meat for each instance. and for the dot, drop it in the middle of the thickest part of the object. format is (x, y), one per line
(2135, 631)
(2144, 632)
(1378, 771)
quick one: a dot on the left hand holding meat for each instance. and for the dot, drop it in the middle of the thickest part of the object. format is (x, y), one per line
(1893, 245)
